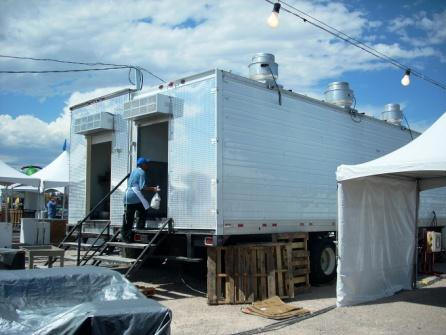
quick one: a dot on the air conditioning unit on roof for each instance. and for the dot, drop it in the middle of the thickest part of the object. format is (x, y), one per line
(154, 105)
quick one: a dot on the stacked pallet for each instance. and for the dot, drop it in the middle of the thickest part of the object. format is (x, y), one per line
(300, 260)
(251, 272)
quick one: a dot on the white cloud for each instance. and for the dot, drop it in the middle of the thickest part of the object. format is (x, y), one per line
(231, 32)
(426, 31)
(23, 135)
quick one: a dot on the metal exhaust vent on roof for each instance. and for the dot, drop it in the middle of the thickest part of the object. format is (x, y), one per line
(154, 105)
(339, 94)
(263, 73)
(93, 123)
(392, 114)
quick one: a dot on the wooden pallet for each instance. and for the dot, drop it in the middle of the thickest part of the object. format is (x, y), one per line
(300, 257)
(251, 272)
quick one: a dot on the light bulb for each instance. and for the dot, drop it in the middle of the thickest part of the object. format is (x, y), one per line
(405, 81)
(273, 19)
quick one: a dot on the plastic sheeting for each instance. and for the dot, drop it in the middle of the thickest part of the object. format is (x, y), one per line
(87, 300)
(12, 259)
(376, 235)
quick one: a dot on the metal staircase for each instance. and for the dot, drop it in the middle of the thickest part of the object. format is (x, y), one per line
(66, 244)
(104, 250)
(147, 249)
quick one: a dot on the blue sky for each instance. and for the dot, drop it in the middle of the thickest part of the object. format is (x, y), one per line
(174, 39)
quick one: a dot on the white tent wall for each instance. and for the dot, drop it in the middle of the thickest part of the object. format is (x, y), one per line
(376, 238)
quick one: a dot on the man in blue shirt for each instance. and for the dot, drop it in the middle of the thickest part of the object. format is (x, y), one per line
(134, 201)
(51, 206)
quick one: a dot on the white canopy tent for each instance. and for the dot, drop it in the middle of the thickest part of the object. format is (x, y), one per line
(54, 174)
(378, 205)
(33, 189)
(9, 176)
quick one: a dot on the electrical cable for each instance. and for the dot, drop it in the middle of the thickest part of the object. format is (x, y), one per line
(64, 71)
(139, 68)
(191, 288)
(130, 79)
(275, 83)
(434, 222)
(339, 34)
(285, 323)
(408, 126)
(180, 274)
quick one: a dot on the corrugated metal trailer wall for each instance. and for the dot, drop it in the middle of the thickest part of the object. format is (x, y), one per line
(279, 162)
(239, 163)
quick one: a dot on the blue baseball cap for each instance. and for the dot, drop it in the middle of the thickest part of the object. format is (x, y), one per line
(142, 160)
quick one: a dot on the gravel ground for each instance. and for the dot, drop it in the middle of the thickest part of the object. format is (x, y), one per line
(408, 312)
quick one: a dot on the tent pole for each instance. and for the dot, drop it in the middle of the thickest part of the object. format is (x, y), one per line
(63, 201)
(415, 256)
(7, 204)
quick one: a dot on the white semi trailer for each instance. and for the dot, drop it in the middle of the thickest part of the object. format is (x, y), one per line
(238, 159)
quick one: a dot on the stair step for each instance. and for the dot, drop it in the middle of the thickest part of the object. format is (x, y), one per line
(150, 231)
(115, 259)
(83, 245)
(91, 234)
(129, 245)
(71, 258)
(179, 259)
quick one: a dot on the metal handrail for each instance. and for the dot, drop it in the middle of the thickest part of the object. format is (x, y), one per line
(137, 262)
(88, 215)
(79, 223)
(104, 247)
(87, 257)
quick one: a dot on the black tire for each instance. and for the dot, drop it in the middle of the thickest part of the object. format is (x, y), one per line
(322, 261)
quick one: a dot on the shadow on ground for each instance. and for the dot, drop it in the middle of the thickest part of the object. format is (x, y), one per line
(172, 280)
(431, 296)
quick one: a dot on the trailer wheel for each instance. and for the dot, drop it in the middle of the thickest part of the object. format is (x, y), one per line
(322, 261)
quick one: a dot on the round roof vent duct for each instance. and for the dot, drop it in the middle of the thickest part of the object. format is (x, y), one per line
(339, 94)
(263, 73)
(392, 114)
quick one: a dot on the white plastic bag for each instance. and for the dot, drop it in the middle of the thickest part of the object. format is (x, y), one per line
(156, 201)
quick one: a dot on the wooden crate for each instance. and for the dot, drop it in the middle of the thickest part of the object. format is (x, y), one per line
(251, 272)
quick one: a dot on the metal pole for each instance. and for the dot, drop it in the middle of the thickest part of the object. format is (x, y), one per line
(7, 204)
(63, 202)
(415, 261)
(79, 241)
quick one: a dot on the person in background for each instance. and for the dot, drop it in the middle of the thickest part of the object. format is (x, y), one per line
(51, 206)
(134, 200)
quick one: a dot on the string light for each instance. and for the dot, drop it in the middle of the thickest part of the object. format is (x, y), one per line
(273, 19)
(405, 81)
(306, 18)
